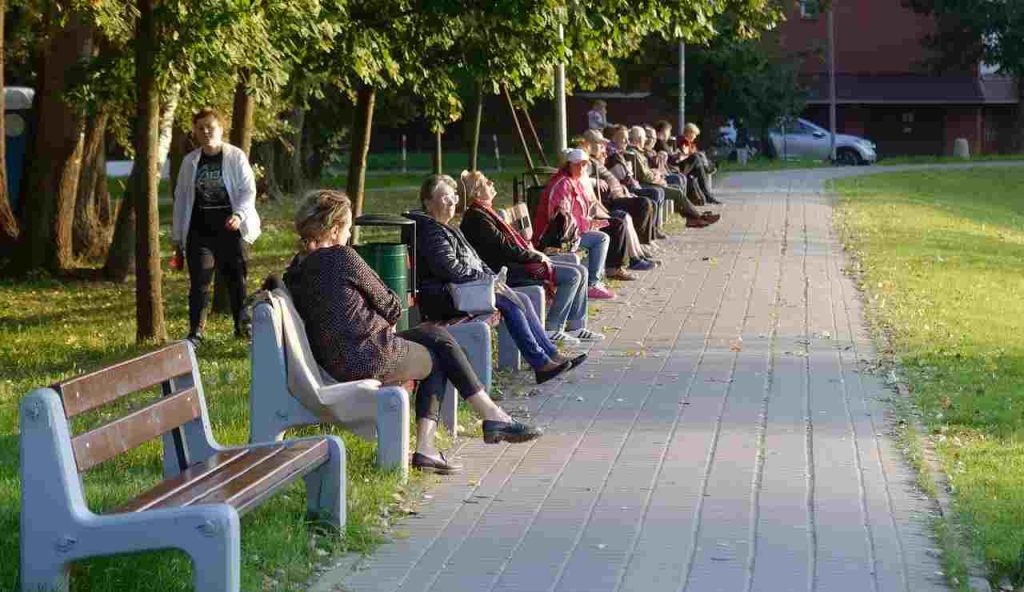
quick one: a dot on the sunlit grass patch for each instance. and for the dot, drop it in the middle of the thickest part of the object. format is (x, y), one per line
(942, 261)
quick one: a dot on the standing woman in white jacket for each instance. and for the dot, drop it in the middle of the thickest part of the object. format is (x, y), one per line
(214, 215)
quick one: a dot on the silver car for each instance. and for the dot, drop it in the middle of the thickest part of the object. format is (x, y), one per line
(804, 140)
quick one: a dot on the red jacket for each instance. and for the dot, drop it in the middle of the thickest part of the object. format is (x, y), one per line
(561, 193)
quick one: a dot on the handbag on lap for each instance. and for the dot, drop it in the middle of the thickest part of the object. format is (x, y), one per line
(561, 234)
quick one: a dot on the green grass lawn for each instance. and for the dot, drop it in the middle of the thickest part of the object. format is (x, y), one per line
(52, 329)
(942, 258)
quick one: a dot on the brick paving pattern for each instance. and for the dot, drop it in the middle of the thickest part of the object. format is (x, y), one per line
(727, 436)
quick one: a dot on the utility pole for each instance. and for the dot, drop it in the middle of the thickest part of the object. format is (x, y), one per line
(682, 85)
(832, 81)
(561, 135)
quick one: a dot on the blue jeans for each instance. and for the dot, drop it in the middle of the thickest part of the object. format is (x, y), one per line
(526, 330)
(596, 244)
(570, 302)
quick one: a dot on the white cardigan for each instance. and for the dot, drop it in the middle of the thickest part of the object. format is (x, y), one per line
(241, 187)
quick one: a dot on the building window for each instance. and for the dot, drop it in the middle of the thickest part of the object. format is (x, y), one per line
(810, 9)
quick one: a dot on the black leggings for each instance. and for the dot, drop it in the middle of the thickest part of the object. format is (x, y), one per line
(210, 246)
(616, 231)
(449, 363)
(693, 168)
(642, 211)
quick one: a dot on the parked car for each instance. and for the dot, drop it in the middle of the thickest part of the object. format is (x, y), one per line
(805, 140)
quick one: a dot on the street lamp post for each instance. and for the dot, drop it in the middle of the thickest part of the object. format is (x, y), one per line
(561, 135)
(831, 82)
(682, 85)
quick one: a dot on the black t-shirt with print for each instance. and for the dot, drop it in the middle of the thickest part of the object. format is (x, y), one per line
(211, 194)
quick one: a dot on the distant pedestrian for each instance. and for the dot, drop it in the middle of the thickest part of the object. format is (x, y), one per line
(597, 117)
(214, 215)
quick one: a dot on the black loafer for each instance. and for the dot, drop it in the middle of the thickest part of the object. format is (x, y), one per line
(543, 376)
(509, 431)
(441, 466)
(577, 360)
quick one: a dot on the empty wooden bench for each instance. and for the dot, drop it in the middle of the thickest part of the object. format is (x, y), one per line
(290, 389)
(196, 507)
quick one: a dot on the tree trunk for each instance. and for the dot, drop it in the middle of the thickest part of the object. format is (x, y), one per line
(437, 158)
(88, 232)
(121, 254)
(9, 230)
(149, 304)
(265, 153)
(242, 114)
(474, 142)
(295, 181)
(362, 126)
(101, 192)
(176, 154)
(52, 170)
(168, 110)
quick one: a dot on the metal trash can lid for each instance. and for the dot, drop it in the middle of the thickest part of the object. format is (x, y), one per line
(382, 220)
(18, 98)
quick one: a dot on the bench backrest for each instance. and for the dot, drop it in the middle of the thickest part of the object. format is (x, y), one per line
(305, 378)
(172, 367)
(518, 217)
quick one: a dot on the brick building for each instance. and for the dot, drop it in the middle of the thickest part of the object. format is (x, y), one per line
(884, 90)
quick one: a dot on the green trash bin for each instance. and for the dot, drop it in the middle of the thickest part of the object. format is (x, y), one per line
(389, 260)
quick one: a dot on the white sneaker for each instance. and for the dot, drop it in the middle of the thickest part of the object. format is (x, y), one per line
(585, 334)
(562, 338)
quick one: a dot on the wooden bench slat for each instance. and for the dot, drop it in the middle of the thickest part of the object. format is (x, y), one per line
(103, 386)
(185, 480)
(254, 486)
(191, 492)
(125, 433)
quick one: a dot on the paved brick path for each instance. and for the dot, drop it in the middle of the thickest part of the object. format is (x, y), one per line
(725, 437)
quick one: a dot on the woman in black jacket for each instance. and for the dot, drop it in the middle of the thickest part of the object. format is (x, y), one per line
(350, 317)
(444, 257)
(499, 245)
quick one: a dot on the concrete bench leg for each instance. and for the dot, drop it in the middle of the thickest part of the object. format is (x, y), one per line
(325, 487)
(475, 340)
(393, 430)
(209, 534)
(509, 357)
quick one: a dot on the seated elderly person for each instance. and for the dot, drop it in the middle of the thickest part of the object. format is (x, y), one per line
(616, 196)
(605, 243)
(661, 163)
(445, 257)
(350, 317)
(693, 162)
(500, 245)
(635, 138)
(640, 258)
